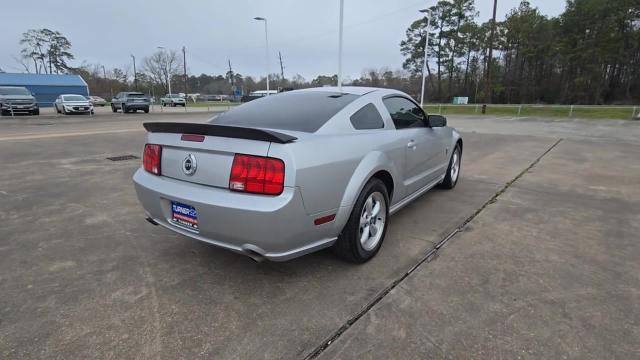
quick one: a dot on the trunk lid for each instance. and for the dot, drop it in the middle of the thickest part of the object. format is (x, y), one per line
(212, 158)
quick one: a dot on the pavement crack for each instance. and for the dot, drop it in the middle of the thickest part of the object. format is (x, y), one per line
(431, 255)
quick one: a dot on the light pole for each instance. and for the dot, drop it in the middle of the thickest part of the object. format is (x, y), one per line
(135, 74)
(340, 45)
(266, 38)
(168, 70)
(426, 49)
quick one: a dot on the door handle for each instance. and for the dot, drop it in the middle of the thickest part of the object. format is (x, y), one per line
(411, 144)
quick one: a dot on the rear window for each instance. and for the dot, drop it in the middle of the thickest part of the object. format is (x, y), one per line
(303, 111)
(136, 95)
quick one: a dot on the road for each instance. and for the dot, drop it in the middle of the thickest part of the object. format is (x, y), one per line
(534, 254)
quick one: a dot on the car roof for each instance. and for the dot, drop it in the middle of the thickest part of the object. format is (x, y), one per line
(72, 95)
(357, 90)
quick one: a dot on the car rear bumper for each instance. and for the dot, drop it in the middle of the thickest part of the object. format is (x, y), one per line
(272, 227)
(139, 106)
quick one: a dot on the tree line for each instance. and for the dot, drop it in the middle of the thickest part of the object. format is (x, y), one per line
(589, 54)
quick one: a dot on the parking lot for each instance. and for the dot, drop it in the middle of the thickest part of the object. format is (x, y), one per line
(535, 254)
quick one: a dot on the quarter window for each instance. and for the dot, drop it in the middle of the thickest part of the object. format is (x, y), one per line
(368, 117)
(404, 113)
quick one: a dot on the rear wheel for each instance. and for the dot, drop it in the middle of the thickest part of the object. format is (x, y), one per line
(453, 171)
(146, 110)
(113, 108)
(124, 109)
(366, 228)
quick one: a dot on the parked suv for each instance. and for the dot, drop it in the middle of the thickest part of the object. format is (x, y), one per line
(17, 100)
(173, 100)
(130, 101)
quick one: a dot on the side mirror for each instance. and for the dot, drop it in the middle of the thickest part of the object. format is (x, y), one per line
(436, 121)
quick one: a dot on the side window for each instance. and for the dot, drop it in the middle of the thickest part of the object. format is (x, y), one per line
(404, 113)
(367, 117)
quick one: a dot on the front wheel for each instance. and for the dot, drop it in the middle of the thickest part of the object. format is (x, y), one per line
(113, 108)
(365, 230)
(36, 112)
(146, 110)
(124, 109)
(453, 171)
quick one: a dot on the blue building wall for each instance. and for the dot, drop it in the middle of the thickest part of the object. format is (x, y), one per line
(46, 87)
(46, 95)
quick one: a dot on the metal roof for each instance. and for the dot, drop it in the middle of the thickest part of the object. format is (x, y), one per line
(15, 79)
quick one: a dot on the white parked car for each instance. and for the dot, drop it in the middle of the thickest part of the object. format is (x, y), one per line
(173, 100)
(72, 103)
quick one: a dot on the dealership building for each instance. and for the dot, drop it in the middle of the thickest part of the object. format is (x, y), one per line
(46, 87)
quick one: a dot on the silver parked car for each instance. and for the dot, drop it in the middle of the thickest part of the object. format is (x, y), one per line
(296, 172)
(72, 103)
(173, 100)
(97, 101)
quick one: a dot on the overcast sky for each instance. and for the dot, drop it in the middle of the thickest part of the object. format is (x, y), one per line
(305, 31)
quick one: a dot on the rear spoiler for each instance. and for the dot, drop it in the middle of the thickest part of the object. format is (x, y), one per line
(219, 130)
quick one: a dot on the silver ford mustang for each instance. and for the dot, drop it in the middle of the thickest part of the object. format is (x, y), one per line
(289, 174)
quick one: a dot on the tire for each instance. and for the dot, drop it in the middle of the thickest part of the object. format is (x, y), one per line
(64, 111)
(455, 162)
(36, 112)
(351, 244)
(124, 109)
(146, 110)
(113, 108)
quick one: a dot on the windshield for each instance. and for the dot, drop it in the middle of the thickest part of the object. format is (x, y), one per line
(74, 98)
(173, 96)
(298, 111)
(14, 91)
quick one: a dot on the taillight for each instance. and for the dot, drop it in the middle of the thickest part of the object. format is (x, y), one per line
(257, 174)
(151, 158)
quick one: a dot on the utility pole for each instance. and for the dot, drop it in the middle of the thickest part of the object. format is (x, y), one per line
(104, 74)
(135, 73)
(231, 77)
(340, 46)
(426, 54)
(488, 89)
(184, 64)
(281, 68)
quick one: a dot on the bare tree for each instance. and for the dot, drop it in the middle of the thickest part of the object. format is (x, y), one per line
(162, 66)
(23, 62)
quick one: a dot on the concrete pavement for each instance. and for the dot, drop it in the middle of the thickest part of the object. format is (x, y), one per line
(84, 276)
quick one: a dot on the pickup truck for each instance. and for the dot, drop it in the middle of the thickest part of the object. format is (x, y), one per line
(17, 99)
(173, 100)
